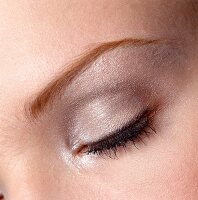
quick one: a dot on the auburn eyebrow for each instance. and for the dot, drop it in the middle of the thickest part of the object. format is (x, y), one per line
(57, 86)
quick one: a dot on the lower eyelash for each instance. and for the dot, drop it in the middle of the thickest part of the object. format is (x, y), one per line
(135, 131)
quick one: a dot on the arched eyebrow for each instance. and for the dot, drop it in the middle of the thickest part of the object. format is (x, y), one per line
(57, 86)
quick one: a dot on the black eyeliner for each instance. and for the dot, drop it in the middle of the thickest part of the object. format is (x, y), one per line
(130, 132)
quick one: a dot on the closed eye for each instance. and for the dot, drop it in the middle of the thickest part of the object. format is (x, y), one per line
(133, 132)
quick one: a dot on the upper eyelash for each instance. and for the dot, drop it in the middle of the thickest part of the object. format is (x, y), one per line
(132, 131)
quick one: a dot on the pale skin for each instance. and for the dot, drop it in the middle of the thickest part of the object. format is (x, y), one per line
(39, 39)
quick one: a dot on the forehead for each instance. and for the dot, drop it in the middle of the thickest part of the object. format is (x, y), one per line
(38, 39)
(69, 26)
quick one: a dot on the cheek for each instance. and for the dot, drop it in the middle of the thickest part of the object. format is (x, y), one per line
(166, 174)
(166, 168)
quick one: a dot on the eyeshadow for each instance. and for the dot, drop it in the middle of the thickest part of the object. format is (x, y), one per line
(115, 88)
(125, 66)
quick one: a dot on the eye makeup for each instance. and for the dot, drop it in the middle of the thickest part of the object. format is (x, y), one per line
(133, 132)
(110, 107)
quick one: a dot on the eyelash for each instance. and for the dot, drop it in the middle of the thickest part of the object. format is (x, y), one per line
(134, 131)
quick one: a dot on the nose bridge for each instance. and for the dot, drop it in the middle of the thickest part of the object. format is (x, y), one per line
(27, 191)
(27, 184)
(30, 179)
(31, 168)
(22, 190)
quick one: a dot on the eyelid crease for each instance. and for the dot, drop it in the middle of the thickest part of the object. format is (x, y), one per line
(54, 89)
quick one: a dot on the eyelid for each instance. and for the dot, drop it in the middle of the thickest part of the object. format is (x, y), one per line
(117, 133)
(54, 88)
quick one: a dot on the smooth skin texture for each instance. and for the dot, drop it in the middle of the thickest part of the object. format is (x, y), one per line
(38, 39)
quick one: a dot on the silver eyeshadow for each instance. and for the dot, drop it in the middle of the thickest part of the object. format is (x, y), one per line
(114, 89)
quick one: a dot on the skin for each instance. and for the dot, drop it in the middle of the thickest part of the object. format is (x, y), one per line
(38, 39)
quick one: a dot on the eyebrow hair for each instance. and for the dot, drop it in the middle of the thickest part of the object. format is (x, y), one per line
(56, 87)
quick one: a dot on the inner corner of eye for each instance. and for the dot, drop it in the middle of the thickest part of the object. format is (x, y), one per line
(80, 150)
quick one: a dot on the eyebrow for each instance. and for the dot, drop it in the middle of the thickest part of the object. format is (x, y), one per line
(55, 87)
